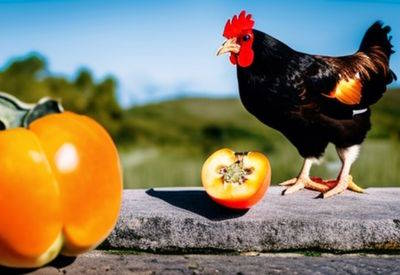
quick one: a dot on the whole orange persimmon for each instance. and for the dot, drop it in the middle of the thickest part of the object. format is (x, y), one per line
(236, 180)
(60, 183)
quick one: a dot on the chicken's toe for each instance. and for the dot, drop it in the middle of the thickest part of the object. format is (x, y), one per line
(354, 187)
(317, 186)
(342, 185)
(288, 182)
(301, 183)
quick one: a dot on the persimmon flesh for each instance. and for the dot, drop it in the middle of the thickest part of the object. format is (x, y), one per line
(236, 180)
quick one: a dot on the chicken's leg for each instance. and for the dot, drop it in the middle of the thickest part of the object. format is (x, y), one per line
(303, 180)
(347, 156)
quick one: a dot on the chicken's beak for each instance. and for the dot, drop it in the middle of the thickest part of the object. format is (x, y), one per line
(229, 46)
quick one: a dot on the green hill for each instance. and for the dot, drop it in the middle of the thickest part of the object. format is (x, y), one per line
(165, 144)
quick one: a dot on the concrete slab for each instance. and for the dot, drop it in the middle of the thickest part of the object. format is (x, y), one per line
(186, 220)
(98, 262)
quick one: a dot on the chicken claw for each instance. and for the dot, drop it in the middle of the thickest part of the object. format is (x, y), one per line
(300, 183)
(288, 182)
(354, 187)
(317, 184)
(342, 185)
(346, 183)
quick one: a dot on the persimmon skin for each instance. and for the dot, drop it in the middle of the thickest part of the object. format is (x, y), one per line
(226, 194)
(91, 180)
(246, 203)
(30, 206)
(60, 189)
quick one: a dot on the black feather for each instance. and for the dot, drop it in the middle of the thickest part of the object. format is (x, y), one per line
(284, 89)
(377, 35)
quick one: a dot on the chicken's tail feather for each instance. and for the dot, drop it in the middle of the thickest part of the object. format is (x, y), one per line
(377, 45)
(377, 35)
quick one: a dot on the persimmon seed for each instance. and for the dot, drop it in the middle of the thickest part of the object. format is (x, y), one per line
(235, 173)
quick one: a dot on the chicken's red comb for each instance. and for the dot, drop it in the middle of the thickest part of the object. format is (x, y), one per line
(234, 27)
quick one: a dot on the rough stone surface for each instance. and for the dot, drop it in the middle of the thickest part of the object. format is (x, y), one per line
(105, 263)
(186, 220)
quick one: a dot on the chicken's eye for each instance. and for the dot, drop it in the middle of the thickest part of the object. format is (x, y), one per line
(246, 37)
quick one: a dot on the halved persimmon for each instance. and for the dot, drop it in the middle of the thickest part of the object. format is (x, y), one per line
(236, 180)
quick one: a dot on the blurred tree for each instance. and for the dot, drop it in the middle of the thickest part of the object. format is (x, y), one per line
(84, 79)
(28, 78)
(22, 77)
(104, 106)
(29, 66)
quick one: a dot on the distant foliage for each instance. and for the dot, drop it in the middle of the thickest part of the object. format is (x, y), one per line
(29, 79)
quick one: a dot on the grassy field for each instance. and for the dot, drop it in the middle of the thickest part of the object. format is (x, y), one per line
(169, 141)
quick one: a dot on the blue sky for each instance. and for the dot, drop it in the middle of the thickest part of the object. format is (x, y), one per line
(162, 49)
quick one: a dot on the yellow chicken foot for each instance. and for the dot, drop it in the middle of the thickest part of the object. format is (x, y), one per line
(339, 188)
(347, 183)
(297, 184)
(354, 187)
(345, 180)
(329, 183)
(303, 180)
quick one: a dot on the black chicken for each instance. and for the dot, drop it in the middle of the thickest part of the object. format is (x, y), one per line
(311, 99)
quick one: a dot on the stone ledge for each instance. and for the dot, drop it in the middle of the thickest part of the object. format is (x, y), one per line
(100, 262)
(186, 220)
